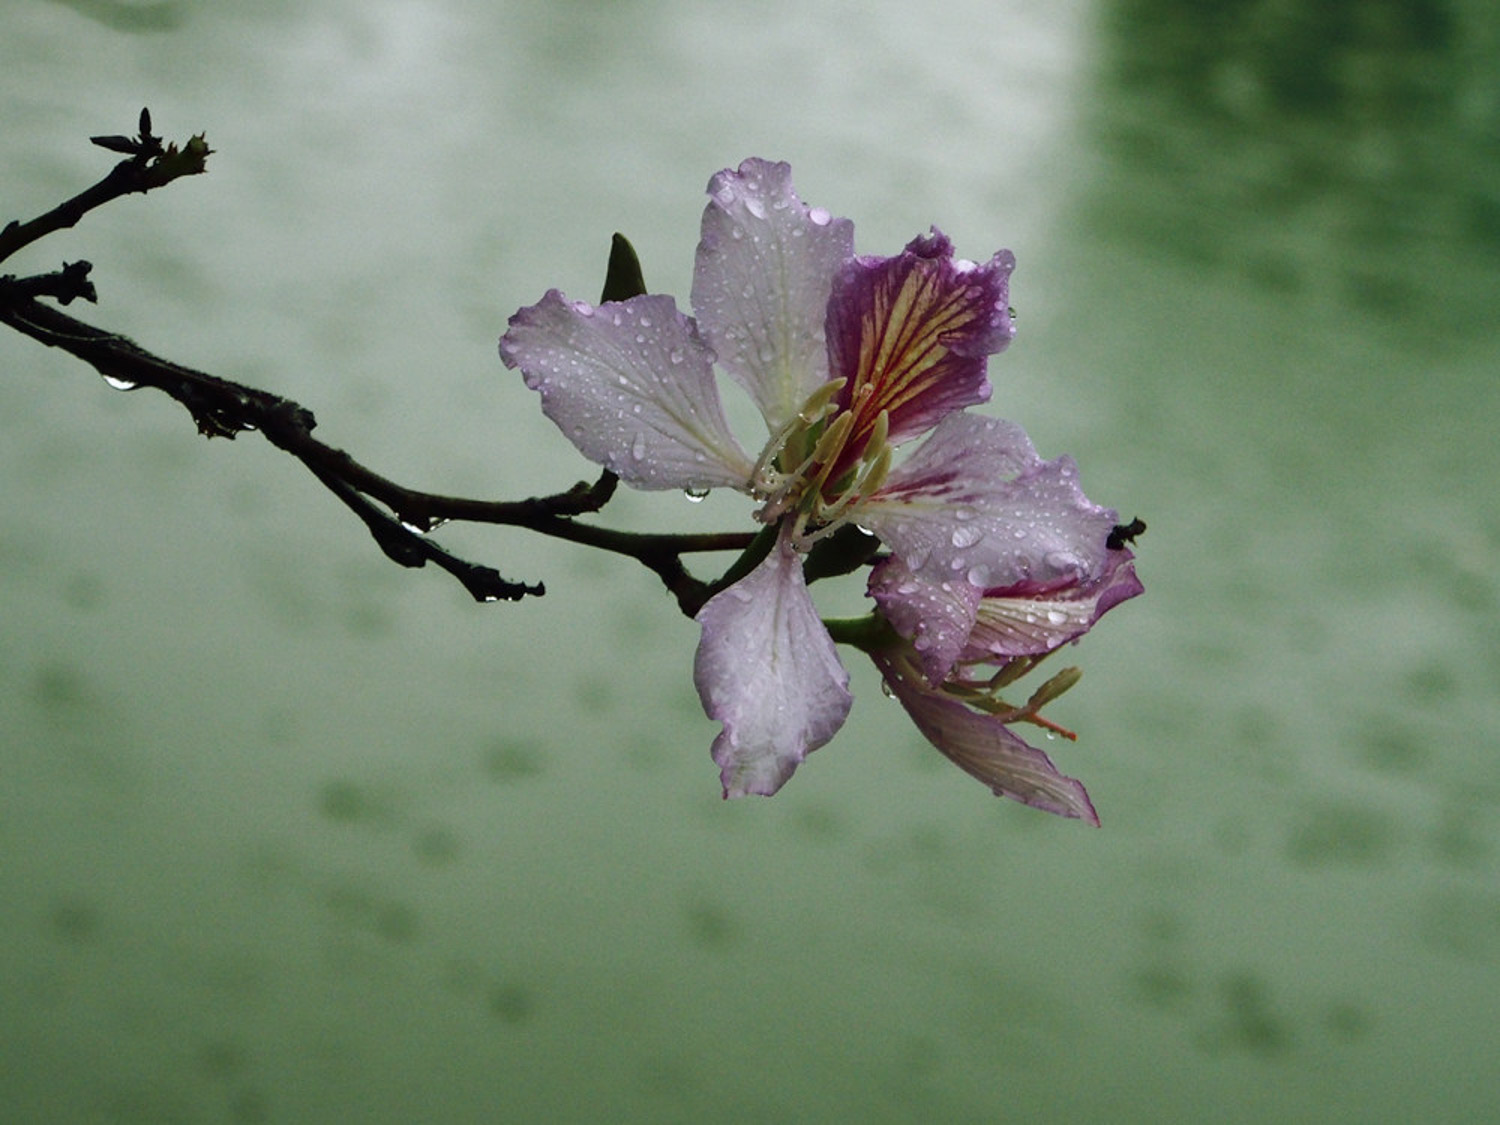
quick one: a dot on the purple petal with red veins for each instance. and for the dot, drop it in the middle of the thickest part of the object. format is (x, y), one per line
(911, 333)
(767, 668)
(766, 263)
(1026, 622)
(982, 746)
(631, 385)
(974, 502)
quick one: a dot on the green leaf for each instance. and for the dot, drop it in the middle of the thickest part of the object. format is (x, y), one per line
(623, 278)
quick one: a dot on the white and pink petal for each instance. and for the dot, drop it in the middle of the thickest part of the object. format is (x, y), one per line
(768, 670)
(975, 502)
(631, 384)
(982, 746)
(1027, 621)
(936, 617)
(765, 267)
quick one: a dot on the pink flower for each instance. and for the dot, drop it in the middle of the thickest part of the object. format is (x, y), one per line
(846, 357)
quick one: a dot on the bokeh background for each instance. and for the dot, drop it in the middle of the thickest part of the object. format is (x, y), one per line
(289, 834)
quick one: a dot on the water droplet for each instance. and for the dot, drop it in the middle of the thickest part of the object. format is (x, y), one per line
(645, 322)
(1056, 616)
(120, 384)
(967, 535)
(819, 216)
(755, 207)
(1062, 560)
(695, 495)
(638, 447)
(979, 576)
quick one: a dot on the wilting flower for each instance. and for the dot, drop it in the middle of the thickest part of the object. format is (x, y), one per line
(847, 357)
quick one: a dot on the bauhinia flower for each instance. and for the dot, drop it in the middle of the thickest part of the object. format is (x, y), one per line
(847, 358)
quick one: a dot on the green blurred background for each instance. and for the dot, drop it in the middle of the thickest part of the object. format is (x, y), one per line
(288, 834)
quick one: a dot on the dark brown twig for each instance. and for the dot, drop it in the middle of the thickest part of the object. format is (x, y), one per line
(397, 517)
(151, 165)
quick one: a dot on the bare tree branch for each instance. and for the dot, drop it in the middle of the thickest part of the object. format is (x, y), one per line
(151, 165)
(397, 517)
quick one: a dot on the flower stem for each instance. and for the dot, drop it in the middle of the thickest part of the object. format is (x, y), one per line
(869, 633)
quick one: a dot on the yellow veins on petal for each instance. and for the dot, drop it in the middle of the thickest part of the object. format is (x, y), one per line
(901, 342)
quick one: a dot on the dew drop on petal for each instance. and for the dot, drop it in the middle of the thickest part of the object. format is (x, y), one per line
(638, 447)
(967, 535)
(695, 495)
(120, 384)
(819, 216)
(1062, 560)
(979, 576)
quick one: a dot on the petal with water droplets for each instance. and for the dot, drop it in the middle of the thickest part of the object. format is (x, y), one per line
(1026, 620)
(976, 503)
(765, 267)
(937, 617)
(911, 335)
(629, 383)
(768, 670)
